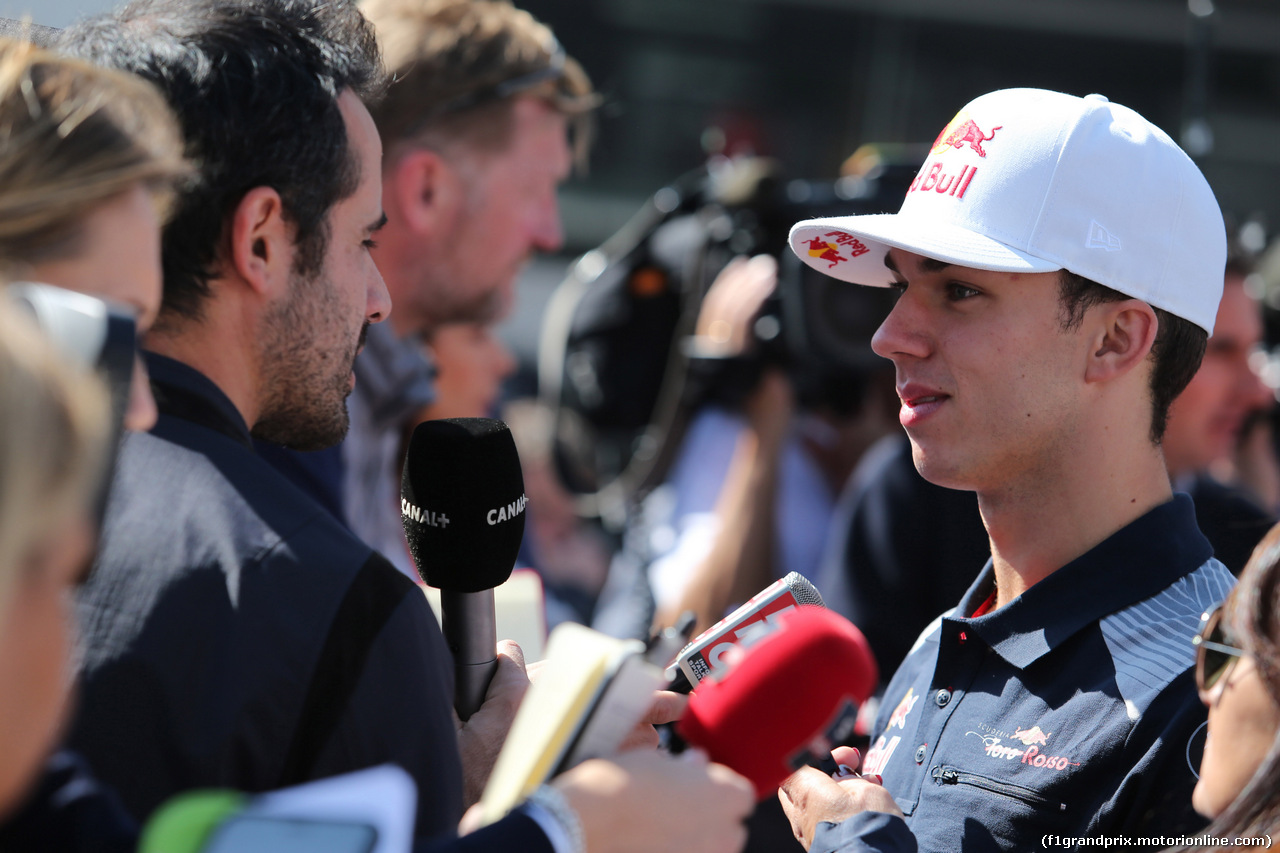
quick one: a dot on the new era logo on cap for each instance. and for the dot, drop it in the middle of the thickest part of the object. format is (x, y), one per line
(1101, 238)
(1021, 180)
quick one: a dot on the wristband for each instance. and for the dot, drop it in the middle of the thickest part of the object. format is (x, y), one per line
(554, 804)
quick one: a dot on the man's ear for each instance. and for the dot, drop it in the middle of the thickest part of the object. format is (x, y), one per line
(422, 189)
(1124, 334)
(262, 249)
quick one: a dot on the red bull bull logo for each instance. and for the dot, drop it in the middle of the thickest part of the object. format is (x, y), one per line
(819, 248)
(1033, 735)
(963, 131)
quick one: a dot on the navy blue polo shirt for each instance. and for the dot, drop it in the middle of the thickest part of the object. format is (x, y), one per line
(1071, 711)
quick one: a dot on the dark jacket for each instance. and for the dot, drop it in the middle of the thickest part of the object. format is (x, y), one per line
(235, 635)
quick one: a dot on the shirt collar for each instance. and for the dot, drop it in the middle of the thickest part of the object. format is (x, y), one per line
(183, 392)
(1133, 564)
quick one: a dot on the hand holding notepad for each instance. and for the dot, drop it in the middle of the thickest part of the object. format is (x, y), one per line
(590, 693)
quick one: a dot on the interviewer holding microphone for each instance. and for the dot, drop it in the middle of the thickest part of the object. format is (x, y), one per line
(60, 222)
(236, 635)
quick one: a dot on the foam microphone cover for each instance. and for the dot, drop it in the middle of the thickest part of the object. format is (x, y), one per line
(788, 699)
(462, 502)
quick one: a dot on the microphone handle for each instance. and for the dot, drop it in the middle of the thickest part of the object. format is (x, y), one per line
(467, 621)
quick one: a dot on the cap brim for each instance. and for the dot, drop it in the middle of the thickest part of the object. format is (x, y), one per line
(853, 248)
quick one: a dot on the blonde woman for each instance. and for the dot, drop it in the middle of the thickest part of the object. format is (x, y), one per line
(88, 162)
(52, 431)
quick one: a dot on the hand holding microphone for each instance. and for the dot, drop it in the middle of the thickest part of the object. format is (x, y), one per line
(462, 502)
(784, 700)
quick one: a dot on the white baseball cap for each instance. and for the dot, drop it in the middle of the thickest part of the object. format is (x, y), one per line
(1027, 180)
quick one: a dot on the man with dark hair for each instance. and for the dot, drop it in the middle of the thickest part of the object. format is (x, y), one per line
(484, 119)
(234, 634)
(890, 568)
(1059, 261)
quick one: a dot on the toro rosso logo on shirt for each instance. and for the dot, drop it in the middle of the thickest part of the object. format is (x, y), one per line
(1033, 738)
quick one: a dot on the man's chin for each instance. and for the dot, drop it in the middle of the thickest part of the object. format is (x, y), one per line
(486, 309)
(309, 436)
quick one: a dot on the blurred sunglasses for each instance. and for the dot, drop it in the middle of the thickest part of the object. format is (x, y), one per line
(1214, 655)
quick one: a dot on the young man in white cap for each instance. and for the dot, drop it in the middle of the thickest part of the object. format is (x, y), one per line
(1060, 264)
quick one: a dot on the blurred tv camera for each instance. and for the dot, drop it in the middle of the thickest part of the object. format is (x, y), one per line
(618, 361)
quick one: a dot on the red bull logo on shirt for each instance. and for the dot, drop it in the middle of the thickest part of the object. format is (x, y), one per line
(898, 719)
(879, 754)
(882, 750)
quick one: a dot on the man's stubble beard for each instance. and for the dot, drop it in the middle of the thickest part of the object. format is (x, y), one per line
(305, 386)
(485, 308)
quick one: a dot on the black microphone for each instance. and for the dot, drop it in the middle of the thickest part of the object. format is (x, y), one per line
(462, 503)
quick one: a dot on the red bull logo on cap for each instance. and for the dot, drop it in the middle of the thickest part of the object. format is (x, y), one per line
(963, 131)
(819, 248)
(931, 177)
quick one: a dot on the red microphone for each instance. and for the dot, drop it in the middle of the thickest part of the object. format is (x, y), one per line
(702, 656)
(785, 700)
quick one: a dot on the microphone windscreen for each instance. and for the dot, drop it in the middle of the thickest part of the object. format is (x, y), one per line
(788, 699)
(462, 502)
(804, 592)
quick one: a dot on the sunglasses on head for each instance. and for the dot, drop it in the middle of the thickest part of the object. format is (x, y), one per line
(521, 83)
(1214, 655)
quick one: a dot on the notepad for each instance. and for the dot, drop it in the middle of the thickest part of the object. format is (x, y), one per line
(591, 692)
